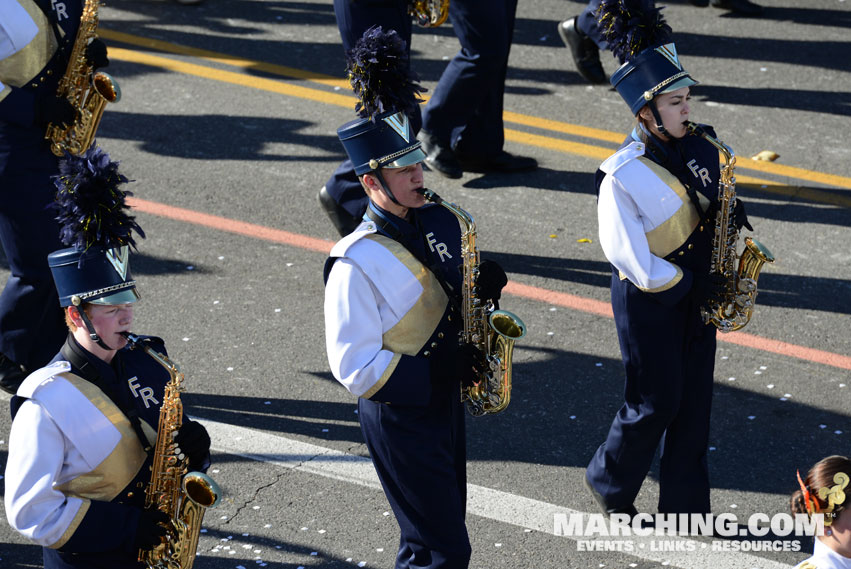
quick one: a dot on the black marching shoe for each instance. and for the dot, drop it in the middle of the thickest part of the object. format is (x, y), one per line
(630, 510)
(586, 55)
(439, 158)
(700, 3)
(342, 220)
(11, 375)
(501, 162)
(744, 7)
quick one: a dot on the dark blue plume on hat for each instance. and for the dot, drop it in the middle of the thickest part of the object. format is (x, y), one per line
(381, 76)
(631, 26)
(90, 207)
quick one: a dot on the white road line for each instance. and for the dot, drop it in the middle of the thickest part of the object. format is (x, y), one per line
(484, 502)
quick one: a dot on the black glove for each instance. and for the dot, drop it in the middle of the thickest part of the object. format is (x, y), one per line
(740, 218)
(709, 288)
(470, 364)
(153, 526)
(490, 281)
(96, 54)
(194, 442)
(53, 109)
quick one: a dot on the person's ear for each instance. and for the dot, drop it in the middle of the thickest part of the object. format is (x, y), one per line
(645, 114)
(371, 182)
(74, 315)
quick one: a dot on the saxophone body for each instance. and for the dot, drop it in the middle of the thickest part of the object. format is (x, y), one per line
(491, 331)
(184, 496)
(87, 90)
(429, 13)
(737, 306)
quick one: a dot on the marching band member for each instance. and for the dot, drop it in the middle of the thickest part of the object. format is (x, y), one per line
(83, 426)
(825, 491)
(36, 39)
(656, 206)
(392, 320)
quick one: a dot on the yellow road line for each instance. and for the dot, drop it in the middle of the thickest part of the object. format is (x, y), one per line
(560, 145)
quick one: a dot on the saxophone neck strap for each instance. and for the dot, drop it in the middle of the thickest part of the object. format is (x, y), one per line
(73, 353)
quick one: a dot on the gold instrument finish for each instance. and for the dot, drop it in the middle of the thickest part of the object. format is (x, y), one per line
(492, 331)
(183, 496)
(736, 309)
(429, 13)
(88, 91)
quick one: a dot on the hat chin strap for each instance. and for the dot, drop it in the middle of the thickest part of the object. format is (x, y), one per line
(385, 187)
(91, 329)
(659, 126)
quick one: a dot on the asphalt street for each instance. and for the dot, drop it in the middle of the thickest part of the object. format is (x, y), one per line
(227, 127)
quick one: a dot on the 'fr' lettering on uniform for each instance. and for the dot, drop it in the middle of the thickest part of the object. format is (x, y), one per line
(60, 9)
(439, 247)
(146, 393)
(703, 173)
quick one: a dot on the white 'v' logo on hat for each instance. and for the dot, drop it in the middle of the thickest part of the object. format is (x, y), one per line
(399, 123)
(118, 258)
(669, 52)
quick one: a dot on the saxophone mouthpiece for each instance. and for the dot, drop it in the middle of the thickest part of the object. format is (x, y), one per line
(133, 339)
(430, 195)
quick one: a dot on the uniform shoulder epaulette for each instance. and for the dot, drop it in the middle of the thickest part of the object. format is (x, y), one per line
(39, 376)
(623, 156)
(362, 230)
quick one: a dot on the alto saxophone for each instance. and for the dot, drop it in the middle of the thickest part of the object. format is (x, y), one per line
(736, 308)
(88, 91)
(429, 13)
(183, 496)
(491, 331)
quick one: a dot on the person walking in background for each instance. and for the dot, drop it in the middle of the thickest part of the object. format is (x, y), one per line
(582, 36)
(36, 39)
(462, 122)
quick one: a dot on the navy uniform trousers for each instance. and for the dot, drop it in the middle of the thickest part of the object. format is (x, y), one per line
(669, 359)
(420, 457)
(465, 109)
(354, 17)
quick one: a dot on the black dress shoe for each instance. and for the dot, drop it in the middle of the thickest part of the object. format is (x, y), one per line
(744, 7)
(629, 510)
(342, 220)
(11, 375)
(700, 3)
(439, 157)
(586, 55)
(502, 162)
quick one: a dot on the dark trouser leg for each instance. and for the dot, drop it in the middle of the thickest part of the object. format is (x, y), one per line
(32, 328)
(652, 339)
(419, 455)
(472, 83)
(684, 473)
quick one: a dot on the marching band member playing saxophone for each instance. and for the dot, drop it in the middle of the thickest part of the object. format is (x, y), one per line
(656, 207)
(392, 320)
(36, 39)
(84, 425)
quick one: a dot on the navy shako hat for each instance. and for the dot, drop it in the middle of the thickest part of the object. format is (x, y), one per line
(95, 268)
(639, 38)
(386, 142)
(97, 275)
(380, 76)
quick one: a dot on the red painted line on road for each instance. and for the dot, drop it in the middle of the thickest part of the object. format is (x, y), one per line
(572, 301)
(232, 225)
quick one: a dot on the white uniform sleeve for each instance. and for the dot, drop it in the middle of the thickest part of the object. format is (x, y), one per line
(36, 455)
(624, 241)
(353, 328)
(17, 29)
